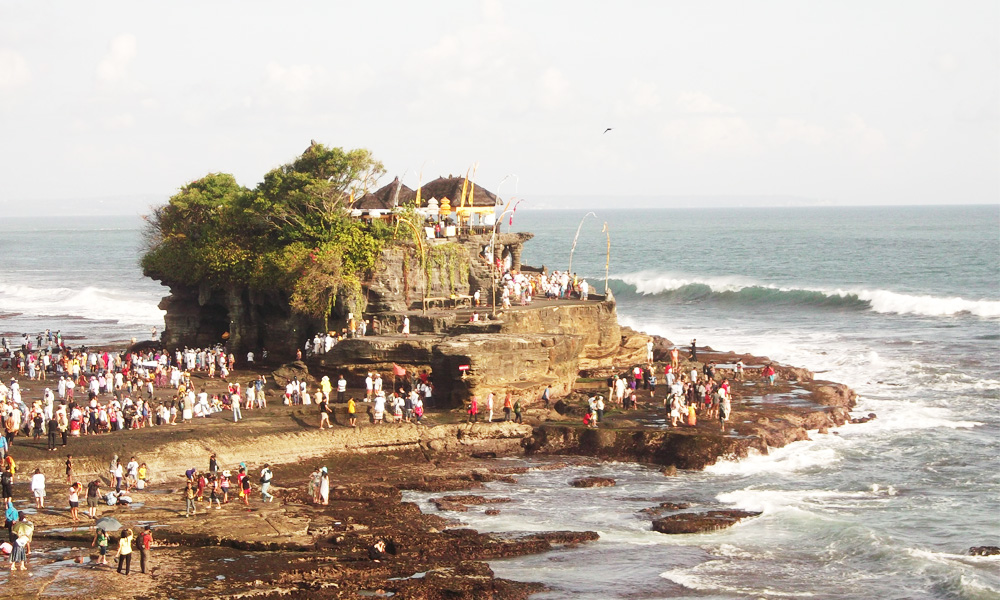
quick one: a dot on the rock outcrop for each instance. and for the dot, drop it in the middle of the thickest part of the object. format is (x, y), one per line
(589, 482)
(700, 522)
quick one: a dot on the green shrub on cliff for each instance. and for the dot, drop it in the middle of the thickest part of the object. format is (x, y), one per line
(291, 233)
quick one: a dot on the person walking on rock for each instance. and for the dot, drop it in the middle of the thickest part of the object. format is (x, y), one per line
(101, 540)
(324, 486)
(38, 488)
(324, 413)
(474, 410)
(265, 484)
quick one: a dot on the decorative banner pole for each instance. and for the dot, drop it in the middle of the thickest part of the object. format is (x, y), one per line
(575, 238)
(607, 263)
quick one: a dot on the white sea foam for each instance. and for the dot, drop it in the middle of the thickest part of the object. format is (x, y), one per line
(881, 301)
(946, 557)
(803, 501)
(88, 303)
(705, 579)
(789, 459)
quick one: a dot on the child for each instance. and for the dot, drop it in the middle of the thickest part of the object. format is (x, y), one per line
(101, 539)
(74, 500)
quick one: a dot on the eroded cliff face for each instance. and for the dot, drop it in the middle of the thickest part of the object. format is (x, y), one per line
(237, 316)
(247, 319)
(523, 350)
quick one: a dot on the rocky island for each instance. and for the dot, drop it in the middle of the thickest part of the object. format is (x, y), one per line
(310, 252)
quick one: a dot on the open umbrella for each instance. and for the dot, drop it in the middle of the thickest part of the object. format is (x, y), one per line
(108, 524)
(25, 528)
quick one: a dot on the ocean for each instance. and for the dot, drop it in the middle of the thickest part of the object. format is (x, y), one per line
(900, 303)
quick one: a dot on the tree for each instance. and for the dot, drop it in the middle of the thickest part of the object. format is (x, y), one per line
(292, 233)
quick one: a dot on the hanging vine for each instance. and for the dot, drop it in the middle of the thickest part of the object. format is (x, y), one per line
(451, 260)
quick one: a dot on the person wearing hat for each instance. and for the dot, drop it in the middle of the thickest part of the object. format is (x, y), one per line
(326, 387)
(19, 552)
(265, 484)
(324, 486)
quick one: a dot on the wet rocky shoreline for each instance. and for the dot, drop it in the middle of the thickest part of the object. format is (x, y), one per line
(292, 548)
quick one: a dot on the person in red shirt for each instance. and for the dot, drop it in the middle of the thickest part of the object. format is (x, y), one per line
(145, 542)
(474, 410)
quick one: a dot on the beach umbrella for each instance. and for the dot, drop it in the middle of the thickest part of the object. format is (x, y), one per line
(108, 524)
(25, 528)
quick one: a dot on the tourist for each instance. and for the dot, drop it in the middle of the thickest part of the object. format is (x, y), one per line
(93, 493)
(53, 431)
(517, 411)
(145, 543)
(599, 405)
(378, 412)
(694, 350)
(6, 486)
(101, 540)
(131, 474)
(547, 395)
(324, 486)
(19, 552)
(739, 369)
(406, 326)
(124, 555)
(69, 468)
(265, 484)
(235, 399)
(649, 351)
(213, 465)
(324, 415)
(352, 420)
(189, 507)
(215, 495)
(692, 419)
(769, 374)
(224, 486)
(508, 406)
(489, 406)
(244, 480)
(325, 387)
(474, 410)
(725, 408)
(38, 488)
(341, 388)
(74, 501)
(314, 485)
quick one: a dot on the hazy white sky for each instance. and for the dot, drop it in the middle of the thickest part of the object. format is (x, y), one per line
(843, 102)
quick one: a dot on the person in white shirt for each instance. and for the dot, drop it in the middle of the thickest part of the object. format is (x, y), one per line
(341, 388)
(38, 488)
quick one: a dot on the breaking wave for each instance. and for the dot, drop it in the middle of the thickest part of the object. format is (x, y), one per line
(741, 290)
(87, 303)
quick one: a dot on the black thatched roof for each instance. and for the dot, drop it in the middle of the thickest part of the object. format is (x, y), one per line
(381, 199)
(451, 188)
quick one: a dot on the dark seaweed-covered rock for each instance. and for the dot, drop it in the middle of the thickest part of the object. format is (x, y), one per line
(984, 550)
(589, 482)
(700, 522)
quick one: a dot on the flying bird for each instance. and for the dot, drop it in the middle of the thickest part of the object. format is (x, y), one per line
(607, 130)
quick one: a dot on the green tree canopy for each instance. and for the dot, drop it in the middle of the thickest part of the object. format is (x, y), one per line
(292, 232)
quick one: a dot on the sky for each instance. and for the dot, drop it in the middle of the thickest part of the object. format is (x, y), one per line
(113, 106)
